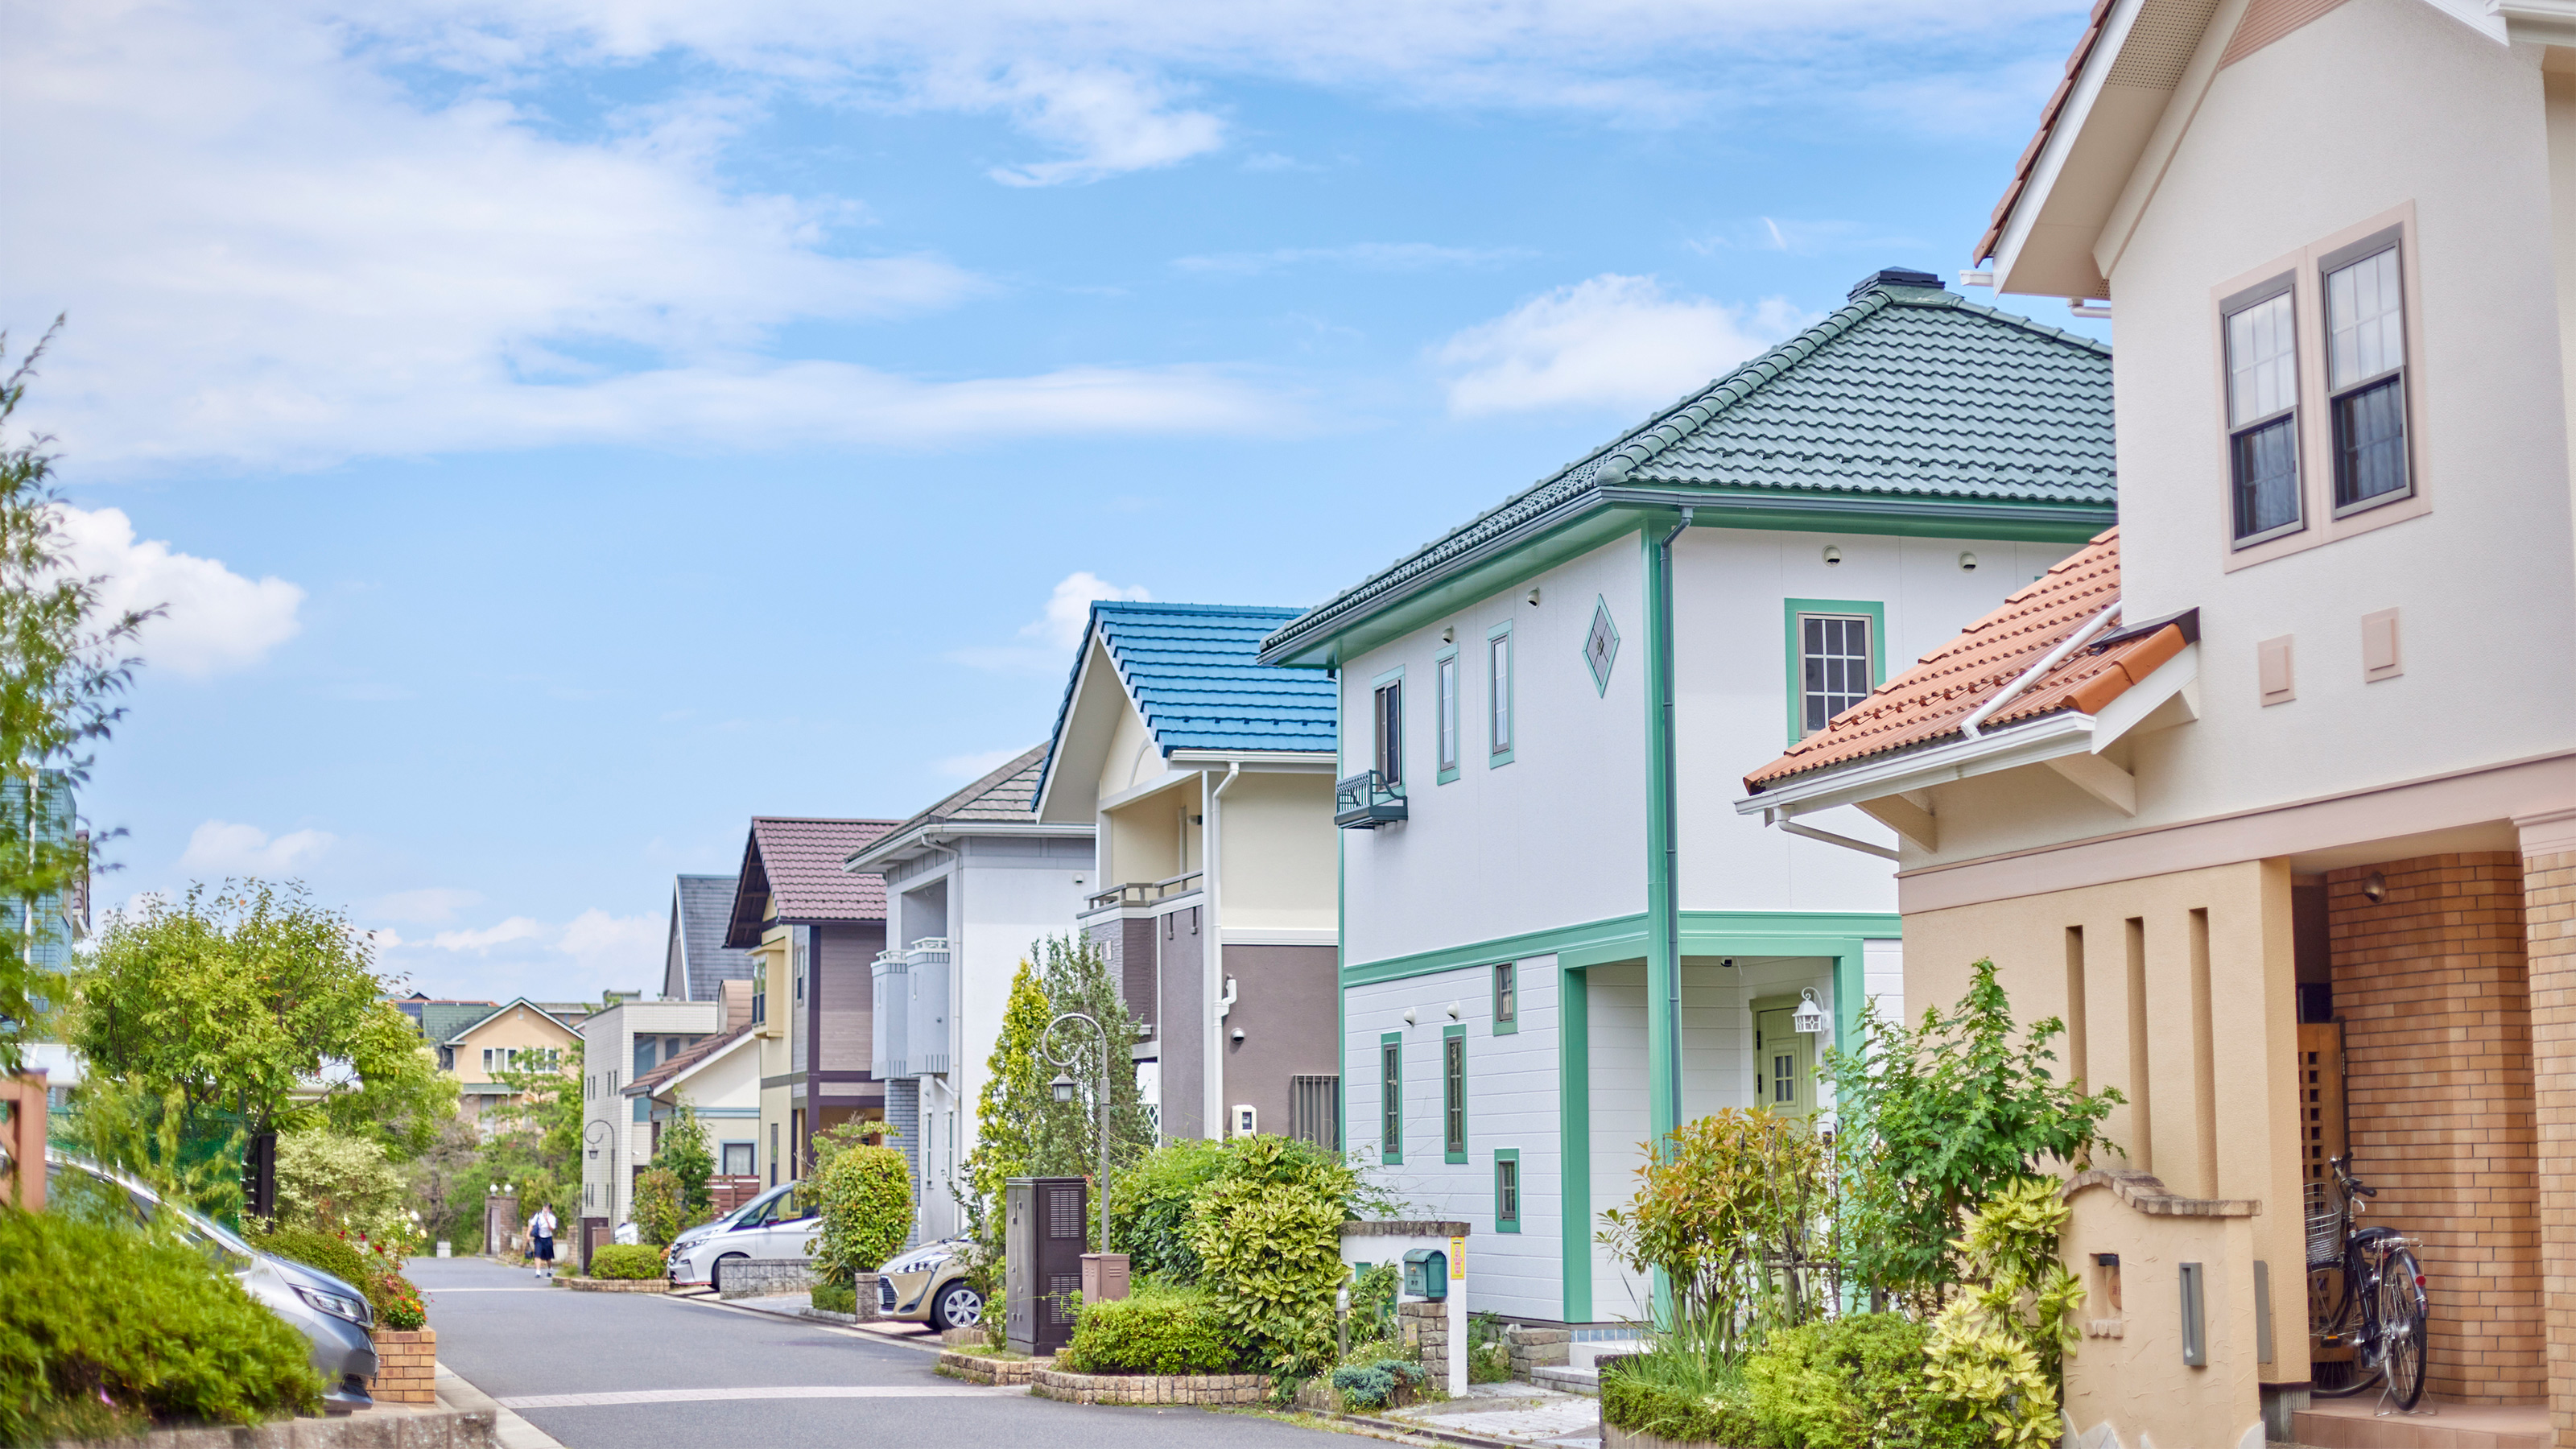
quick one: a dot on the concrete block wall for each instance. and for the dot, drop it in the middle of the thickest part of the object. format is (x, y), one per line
(2430, 983)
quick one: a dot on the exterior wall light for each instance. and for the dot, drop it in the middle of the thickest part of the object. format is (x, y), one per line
(2375, 886)
(1810, 1017)
(1063, 1086)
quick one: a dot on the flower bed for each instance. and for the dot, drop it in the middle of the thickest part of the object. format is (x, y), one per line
(989, 1368)
(406, 1366)
(1050, 1382)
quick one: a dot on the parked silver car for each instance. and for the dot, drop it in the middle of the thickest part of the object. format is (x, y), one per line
(777, 1224)
(331, 1314)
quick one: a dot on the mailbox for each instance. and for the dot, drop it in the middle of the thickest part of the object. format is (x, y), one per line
(1426, 1274)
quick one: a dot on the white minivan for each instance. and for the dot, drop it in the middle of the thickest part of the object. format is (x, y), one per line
(777, 1224)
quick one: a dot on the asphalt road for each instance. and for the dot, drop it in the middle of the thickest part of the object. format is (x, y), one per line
(515, 1338)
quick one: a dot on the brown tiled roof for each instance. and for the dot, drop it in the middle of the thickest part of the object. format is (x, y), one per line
(1928, 703)
(651, 1082)
(799, 862)
(2048, 119)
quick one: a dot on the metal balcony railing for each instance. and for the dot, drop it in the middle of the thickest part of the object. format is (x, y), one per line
(1367, 801)
(1145, 892)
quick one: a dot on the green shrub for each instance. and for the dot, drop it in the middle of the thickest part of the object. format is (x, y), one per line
(104, 1327)
(326, 1180)
(1159, 1330)
(634, 1262)
(314, 1248)
(1370, 1385)
(1854, 1383)
(1267, 1231)
(1151, 1221)
(836, 1297)
(661, 1209)
(865, 1194)
(1373, 1293)
(1489, 1358)
(1994, 1355)
(1674, 1394)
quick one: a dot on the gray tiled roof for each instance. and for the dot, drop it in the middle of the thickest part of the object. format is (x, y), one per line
(700, 907)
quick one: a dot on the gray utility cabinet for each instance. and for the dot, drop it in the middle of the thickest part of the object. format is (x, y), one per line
(890, 1017)
(926, 1033)
(1043, 1239)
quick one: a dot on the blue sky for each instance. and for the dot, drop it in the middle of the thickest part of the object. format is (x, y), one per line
(564, 429)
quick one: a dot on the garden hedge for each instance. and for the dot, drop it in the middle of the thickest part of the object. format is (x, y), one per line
(1155, 1331)
(631, 1261)
(865, 1194)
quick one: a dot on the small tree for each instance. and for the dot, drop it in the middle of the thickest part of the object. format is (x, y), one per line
(1729, 1209)
(327, 1181)
(1997, 1350)
(1267, 1232)
(660, 1209)
(1065, 1140)
(865, 1195)
(684, 1151)
(1936, 1120)
(1014, 1092)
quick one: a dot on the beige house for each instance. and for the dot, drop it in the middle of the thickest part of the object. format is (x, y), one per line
(521, 1036)
(2271, 793)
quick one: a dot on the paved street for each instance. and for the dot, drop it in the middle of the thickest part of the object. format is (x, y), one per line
(758, 1381)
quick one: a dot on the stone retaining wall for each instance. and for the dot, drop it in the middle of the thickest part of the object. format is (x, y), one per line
(1203, 1389)
(1537, 1348)
(1614, 1437)
(451, 1429)
(762, 1277)
(984, 1368)
(1425, 1329)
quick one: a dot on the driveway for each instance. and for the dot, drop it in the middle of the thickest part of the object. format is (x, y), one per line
(641, 1371)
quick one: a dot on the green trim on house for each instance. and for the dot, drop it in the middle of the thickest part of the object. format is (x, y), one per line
(1623, 938)
(1453, 1087)
(1390, 1098)
(1505, 1025)
(1851, 984)
(1510, 1223)
(1500, 753)
(1446, 770)
(1663, 1069)
(1790, 609)
(1574, 1137)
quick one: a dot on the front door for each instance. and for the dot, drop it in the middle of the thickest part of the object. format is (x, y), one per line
(1784, 1059)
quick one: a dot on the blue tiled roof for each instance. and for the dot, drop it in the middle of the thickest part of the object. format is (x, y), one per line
(1190, 668)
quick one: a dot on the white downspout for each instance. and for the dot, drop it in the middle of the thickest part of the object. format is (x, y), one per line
(1212, 956)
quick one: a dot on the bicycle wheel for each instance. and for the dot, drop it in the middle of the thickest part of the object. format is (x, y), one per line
(2402, 1313)
(2334, 1323)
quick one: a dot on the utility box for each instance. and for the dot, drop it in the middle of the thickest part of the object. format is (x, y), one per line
(889, 1015)
(1045, 1229)
(1104, 1277)
(1426, 1274)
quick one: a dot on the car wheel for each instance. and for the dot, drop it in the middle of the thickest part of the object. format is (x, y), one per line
(715, 1274)
(957, 1306)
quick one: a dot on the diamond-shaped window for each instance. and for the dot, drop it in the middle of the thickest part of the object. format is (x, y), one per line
(1601, 646)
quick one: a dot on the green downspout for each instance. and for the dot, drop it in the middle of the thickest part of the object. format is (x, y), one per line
(1663, 850)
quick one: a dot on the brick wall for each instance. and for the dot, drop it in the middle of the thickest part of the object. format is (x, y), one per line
(2549, 892)
(2431, 987)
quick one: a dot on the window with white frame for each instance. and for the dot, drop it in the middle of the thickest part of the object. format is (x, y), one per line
(1448, 710)
(1388, 712)
(2366, 375)
(1833, 666)
(1498, 687)
(2263, 412)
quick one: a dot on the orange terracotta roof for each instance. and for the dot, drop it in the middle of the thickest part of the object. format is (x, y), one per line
(2048, 118)
(1928, 703)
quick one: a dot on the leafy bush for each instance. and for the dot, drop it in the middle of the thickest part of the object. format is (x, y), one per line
(330, 1252)
(1678, 1394)
(1151, 1221)
(1268, 1234)
(104, 1327)
(1854, 1383)
(836, 1297)
(1370, 1385)
(1489, 1358)
(1158, 1330)
(661, 1210)
(1996, 1351)
(634, 1262)
(399, 1307)
(1728, 1208)
(326, 1180)
(865, 1194)
(1373, 1294)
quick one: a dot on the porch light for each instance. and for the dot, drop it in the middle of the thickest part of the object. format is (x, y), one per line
(1810, 1017)
(1063, 1086)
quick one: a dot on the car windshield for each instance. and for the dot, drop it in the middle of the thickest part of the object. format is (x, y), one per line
(144, 1205)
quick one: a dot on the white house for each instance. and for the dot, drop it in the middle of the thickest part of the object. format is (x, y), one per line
(1558, 940)
(619, 1046)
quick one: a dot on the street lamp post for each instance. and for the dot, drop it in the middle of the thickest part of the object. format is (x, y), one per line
(1063, 1087)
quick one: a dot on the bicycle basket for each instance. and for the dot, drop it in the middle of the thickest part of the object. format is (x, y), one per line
(2325, 1226)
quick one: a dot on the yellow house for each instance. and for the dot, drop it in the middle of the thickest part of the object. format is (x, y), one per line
(518, 1037)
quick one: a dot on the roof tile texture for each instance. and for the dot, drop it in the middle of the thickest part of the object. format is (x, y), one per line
(802, 859)
(1928, 703)
(703, 903)
(1192, 670)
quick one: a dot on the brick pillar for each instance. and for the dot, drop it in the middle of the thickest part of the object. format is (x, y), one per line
(2549, 898)
(2430, 982)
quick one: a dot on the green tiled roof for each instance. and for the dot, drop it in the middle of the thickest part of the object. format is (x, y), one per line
(442, 1020)
(1908, 398)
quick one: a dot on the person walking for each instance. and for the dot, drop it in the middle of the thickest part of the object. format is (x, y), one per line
(541, 1240)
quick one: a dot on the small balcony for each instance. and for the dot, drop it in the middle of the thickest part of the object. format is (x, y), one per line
(1367, 801)
(1144, 892)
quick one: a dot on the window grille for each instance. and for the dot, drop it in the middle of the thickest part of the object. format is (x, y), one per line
(2263, 416)
(1453, 1060)
(2366, 369)
(1390, 1055)
(1315, 1110)
(1833, 666)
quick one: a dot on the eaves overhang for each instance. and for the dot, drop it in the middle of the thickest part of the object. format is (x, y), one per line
(2048, 737)
(895, 849)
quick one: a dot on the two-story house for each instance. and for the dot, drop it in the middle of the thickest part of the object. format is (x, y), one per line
(620, 1046)
(813, 929)
(970, 883)
(1557, 943)
(517, 1036)
(1207, 778)
(718, 1078)
(2248, 793)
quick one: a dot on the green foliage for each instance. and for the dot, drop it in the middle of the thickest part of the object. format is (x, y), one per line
(1489, 1358)
(1728, 1209)
(104, 1327)
(836, 1297)
(1854, 1383)
(1014, 1089)
(1676, 1393)
(63, 660)
(1150, 1219)
(535, 1145)
(1373, 1294)
(372, 1268)
(1996, 1351)
(845, 1134)
(325, 1180)
(400, 1307)
(141, 1134)
(685, 1152)
(1267, 1231)
(1370, 1385)
(661, 1213)
(865, 1194)
(233, 1000)
(1156, 1330)
(631, 1261)
(1064, 1140)
(1935, 1118)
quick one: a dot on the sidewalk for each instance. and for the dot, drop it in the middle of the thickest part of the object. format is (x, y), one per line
(800, 1306)
(1512, 1413)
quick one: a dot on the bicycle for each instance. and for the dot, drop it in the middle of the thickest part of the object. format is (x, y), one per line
(2365, 1295)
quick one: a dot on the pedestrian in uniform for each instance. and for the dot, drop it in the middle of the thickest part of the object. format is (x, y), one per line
(541, 1240)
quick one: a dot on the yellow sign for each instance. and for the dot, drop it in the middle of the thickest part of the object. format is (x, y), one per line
(1458, 1260)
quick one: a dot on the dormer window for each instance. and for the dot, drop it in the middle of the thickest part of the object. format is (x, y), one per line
(2263, 411)
(2366, 374)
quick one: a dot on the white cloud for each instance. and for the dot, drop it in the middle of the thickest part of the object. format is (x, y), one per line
(1111, 121)
(1366, 256)
(215, 619)
(516, 928)
(430, 906)
(1611, 341)
(523, 956)
(220, 847)
(625, 948)
(1068, 609)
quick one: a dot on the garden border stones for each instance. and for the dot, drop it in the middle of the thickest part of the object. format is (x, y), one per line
(614, 1285)
(762, 1277)
(989, 1368)
(449, 1429)
(1050, 1382)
